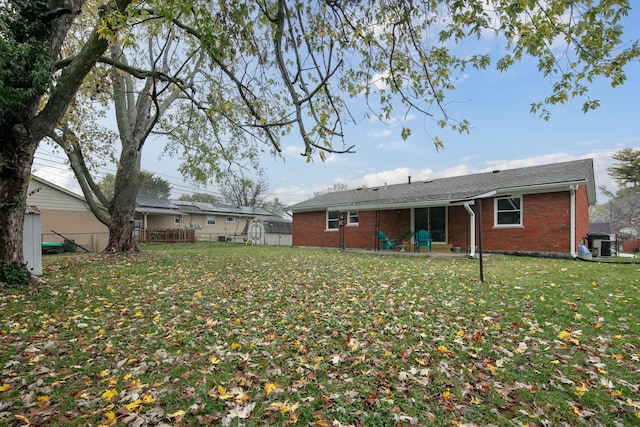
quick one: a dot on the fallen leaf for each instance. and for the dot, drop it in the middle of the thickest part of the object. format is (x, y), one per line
(269, 388)
(109, 394)
(23, 419)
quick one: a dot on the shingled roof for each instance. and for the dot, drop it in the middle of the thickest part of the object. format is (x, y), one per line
(188, 207)
(531, 179)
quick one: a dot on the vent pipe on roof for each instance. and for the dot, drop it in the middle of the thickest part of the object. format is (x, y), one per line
(409, 178)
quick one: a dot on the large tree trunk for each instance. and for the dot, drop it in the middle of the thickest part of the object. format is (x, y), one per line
(22, 131)
(135, 121)
(16, 156)
(123, 204)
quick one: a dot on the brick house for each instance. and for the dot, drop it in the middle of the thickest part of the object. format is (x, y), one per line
(539, 209)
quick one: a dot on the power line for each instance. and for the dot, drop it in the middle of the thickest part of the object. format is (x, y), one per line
(50, 160)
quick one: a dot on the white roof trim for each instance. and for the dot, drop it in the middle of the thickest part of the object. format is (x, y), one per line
(159, 211)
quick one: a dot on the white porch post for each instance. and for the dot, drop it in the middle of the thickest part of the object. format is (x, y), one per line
(472, 228)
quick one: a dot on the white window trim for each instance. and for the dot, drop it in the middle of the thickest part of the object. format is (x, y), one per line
(215, 220)
(230, 219)
(495, 212)
(326, 223)
(352, 224)
(178, 219)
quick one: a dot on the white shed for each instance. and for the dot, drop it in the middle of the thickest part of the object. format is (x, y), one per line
(32, 240)
(269, 232)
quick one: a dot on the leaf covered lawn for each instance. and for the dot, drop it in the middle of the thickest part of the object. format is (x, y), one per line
(223, 334)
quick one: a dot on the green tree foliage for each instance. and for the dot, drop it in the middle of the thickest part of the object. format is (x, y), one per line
(25, 66)
(38, 82)
(627, 171)
(152, 186)
(622, 210)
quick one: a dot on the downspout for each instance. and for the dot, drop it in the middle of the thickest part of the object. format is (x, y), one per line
(572, 214)
(472, 223)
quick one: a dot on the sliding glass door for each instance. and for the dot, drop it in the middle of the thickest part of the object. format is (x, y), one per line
(434, 220)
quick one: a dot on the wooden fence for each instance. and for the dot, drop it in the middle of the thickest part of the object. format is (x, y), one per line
(176, 235)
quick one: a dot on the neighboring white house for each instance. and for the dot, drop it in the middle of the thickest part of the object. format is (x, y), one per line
(65, 213)
(210, 221)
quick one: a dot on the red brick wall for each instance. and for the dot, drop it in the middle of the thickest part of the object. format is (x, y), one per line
(546, 226)
(459, 227)
(582, 214)
(309, 229)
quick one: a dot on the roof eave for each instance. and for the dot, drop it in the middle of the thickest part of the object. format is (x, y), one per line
(384, 206)
(529, 189)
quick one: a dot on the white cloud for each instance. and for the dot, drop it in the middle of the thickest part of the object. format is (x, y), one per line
(290, 195)
(396, 120)
(381, 133)
(292, 150)
(336, 158)
(378, 80)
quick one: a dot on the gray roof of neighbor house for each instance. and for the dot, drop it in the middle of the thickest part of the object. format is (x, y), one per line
(599, 227)
(531, 179)
(144, 204)
(278, 226)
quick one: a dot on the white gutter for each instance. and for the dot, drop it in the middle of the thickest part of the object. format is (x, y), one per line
(572, 215)
(472, 228)
(376, 207)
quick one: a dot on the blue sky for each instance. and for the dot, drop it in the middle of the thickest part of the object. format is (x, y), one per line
(504, 134)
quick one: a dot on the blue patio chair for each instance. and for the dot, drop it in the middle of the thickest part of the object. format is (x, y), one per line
(386, 243)
(423, 240)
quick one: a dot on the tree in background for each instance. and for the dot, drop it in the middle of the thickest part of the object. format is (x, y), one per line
(238, 190)
(277, 207)
(199, 197)
(627, 171)
(274, 67)
(338, 186)
(623, 208)
(139, 90)
(152, 186)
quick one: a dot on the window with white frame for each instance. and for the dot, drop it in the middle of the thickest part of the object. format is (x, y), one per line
(231, 219)
(177, 219)
(211, 220)
(353, 218)
(333, 220)
(508, 212)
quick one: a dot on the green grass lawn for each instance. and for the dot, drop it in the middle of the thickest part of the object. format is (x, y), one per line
(224, 334)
